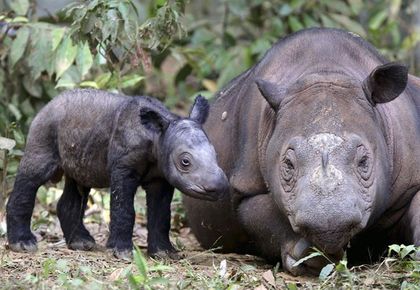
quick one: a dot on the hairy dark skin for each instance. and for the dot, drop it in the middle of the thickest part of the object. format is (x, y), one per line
(98, 139)
(325, 152)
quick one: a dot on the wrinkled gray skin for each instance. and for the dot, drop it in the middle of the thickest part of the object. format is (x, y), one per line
(321, 144)
(98, 139)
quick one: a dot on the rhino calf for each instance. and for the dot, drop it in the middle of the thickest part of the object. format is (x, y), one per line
(99, 139)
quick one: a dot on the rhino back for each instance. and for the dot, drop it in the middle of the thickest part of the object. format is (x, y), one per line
(81, 122)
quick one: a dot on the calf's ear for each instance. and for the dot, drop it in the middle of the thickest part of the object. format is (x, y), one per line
(153, 121)
(272, 92)
(200, 110)
(385, 83)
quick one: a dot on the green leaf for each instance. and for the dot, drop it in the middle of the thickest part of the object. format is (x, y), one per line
(33, 87)
(40, 56)
(130, 20)
(15, 111)
(70, 78)
(285, 10)
(66, 54)
(20, 19)
(62, 266)
(349, 24)
(19, 6)
(356, 6)
(312, 255)
(103, 79)
(309, 21)
(110, 27)
(19, 137)
(341, 266)
(140, 262)
(339, 6)
(130, 80)
(89, 84)
(326, 271)
(292, 286)
(84, 59)
(327, 22)
(394, 248)
(56, 37)
(406, 250)
(158, 281)
(294, 23)
(376, 21)
(7, 144)
(19, 45)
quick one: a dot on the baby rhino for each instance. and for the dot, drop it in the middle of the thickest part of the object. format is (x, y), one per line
(99, 139)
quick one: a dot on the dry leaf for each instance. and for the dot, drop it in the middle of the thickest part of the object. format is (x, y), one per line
(269, 277)
(261, 287)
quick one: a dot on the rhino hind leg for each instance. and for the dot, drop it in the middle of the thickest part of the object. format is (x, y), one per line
(273, 238)
(31, 175)
(70, 210)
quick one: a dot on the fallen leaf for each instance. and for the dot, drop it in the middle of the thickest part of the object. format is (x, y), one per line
(269, 277)
(115, 275)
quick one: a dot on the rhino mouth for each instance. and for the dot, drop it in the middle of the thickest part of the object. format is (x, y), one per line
(332, 242)
(201, 193)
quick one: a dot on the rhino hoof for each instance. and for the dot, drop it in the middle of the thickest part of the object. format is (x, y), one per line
(126, 255)
(24, 246)
(82, 245)
(167, 255)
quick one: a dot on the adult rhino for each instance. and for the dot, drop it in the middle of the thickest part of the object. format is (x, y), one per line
(320, 141)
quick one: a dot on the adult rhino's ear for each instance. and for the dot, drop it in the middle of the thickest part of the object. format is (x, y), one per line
(153, 121)
(385, 83)
(200, 110)
(271, 92)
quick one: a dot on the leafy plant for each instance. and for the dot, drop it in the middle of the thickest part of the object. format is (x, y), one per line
(143, 278)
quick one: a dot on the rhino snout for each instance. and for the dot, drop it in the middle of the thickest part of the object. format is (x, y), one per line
(218, 184)
(211, 186)
(329, 234)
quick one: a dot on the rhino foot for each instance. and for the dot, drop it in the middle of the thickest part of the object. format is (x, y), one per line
(82, 245)
(167, 255)
(24, 244)
(122, 254)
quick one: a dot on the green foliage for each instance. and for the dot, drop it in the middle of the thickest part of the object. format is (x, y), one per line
(143, 278)
(338, 275)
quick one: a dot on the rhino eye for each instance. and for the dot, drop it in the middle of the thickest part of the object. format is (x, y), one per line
(364, 163)
(184, 162)
(288, 170)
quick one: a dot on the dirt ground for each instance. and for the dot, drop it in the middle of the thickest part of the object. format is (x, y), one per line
(54, 266)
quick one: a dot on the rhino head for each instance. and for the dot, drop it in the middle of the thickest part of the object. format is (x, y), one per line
(328, 161)
(185, 155)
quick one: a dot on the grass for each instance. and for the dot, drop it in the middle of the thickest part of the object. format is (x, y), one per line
(54, 266)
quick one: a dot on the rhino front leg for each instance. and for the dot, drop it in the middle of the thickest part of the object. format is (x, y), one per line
(273, 236)
(124, 184)
(159, 196)
(411, 223)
